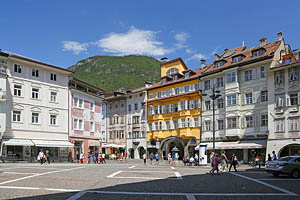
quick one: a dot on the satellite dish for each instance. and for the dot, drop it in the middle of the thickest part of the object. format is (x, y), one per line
(228, 54)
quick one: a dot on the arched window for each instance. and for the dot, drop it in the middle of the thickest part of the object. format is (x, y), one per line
(172, 71)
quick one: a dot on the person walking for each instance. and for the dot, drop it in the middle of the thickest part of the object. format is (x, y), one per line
(47, 157)
(151, 157)
(224, 161)
(96, 157)
(233, 162)
(89, 157)
(41, 156)
(216, 161)
(157, 158)
(103, 158)
(77, 157)
(81, 157)
(211, 156)
(169, 158)
(196, 160)
(274, 156)
(145, 158)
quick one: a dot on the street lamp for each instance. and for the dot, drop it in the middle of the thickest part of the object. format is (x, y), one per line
(214, 96)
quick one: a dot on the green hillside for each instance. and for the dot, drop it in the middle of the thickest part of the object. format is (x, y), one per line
(114, 72)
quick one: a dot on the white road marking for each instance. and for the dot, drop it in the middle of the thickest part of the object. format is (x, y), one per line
(36, 188)
(114, 174)
(142, 171)
(35, 175)
(77, 196)
(278, 179)
(18, 173)
(239, 172)
(172, 167)
(141, 177)
(131, 167)
(265, 184)
(190, 197)
(177, 174)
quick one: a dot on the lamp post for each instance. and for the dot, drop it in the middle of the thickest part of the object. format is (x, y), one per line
(214, 96)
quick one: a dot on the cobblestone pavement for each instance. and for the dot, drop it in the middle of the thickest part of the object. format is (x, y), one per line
(133, 180)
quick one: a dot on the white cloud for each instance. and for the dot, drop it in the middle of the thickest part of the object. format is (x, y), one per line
(74, 46)
(181, 39)
(189, 51)
(197, 56)
(135, 41)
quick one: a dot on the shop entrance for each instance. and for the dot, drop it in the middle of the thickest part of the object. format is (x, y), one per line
(290, 150)
(77, 150)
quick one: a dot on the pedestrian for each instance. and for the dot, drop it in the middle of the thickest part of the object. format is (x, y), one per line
(216, 161)
(224, 161)
(169, 158)
(103, 158)
(88, 157)
(96, 156)
(41, 156)
(274, 156)
(192, 160)
(47, 157)
(77, 157)
(196, 160)
(185, 160)
(233, 162)
(81, 157)
(157, 158)
(145, 158)
(211, 156)
(151, 157)
(269, 158)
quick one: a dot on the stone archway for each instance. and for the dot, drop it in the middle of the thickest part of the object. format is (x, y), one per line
(289, 150)
(131, 151)
(141, 151)
(169, 143)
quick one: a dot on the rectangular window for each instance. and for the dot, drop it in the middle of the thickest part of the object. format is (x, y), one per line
(220, 103)
(129, 108)
(53, 119)
(197, 87)
(279, 125)
(80, 105)
(151, 96)
(35, 72)
(207, 105)
(186, 88)
(231, 100)
(231, 77)
(279, 77)
(293, 74)
(175, 107)
(182, 104)
(135, 119)
(52, 77)
(80, 124)
(196, 122)
(16, 116)
(35, 93)
(258, 52)
(220, 82)
(92, 106)
(168, 93)
(264, 120)
(156, 126)
(220, 124)
(294, 124)
(231, 122)
(92, 126)
(158, 95)
(75, 102)
(136, 106)
(294, 99)
(249, 98)
(207, 85)
(75, 124)
(168, 125)
(187, 75)
(183, 125)
(207, 125)
(177, 90)
(53, 96)
(150, 127)
(249, 121)
(18, 90)
(248, 75)
(17, 68)
(116, 105)
(262, 72)
(35, 118)
(264, 96)
(175, 78)
(175, 122)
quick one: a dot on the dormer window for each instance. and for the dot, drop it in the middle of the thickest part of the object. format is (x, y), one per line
(219, 63)
(258, 52)
(287, 60)
(175, 78)
(164, 80)
(237, 58)
(187, 75)
(172, 71)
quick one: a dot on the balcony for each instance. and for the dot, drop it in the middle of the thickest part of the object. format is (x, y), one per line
(136, 125)
(2, 96)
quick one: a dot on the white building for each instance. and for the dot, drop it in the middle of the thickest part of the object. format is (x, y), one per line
(37, 109)
(284, 105)
(241, 111)
(136, 123)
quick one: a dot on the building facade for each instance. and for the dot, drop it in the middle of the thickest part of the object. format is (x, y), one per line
(284, 104)
(136, 123)
(86, 118)
(174, 110)
(240, 78)
(37, 109)
(3, 84)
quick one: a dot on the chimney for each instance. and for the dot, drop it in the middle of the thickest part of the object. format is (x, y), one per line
(216, 56)
(202, 63)
(225, 50)
(164, 59)
(262, 41)
(279, 34)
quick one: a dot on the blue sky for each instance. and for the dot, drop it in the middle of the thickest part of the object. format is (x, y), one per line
(63, 32)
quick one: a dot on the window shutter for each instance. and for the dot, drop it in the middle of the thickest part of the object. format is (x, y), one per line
(243, 99)
(186, 104)
(258, 72)
(258, 99)
(288, 101)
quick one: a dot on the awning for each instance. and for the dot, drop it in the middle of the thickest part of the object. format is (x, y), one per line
(52, 143)
(113, 146)
(17, 142)
(251, 144)
(94, 143)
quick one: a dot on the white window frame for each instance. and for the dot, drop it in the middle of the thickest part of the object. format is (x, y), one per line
(92, 126)
(17, 68)
(249, 121)
(53, 120)
(53, 96)
(16, 116)
(231, 100)
(249, 75)
(207, 125)
(264, 119)
(220, 81)
(220, 125)
(249, 98)
(35, 118)
(35, 93)
(279, 125)
(92, 106)
(231, 77)
(53, 76)
(35, 73)
(17, 90)
(232, 122)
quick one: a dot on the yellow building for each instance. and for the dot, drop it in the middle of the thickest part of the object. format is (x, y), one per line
(174, 110)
